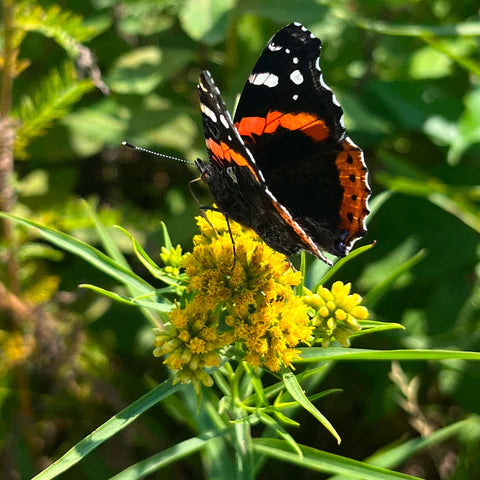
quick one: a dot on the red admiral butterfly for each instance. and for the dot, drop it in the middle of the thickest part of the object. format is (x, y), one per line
(285, 166)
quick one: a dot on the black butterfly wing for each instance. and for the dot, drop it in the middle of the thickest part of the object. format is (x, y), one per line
(292, 124)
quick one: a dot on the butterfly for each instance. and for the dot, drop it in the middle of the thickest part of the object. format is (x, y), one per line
(285, 166)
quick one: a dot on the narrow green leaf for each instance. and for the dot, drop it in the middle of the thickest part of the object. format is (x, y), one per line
(157, 306)
(168, 456)
(242, 443)
(107, 293)
(107, 241)
(317, 354)
(382, 328)
(114, 252)
(340, 263)
(147, 262)
(296, 391)
(395, 456)
(257, 385)
(108, 429)
(167, 242)
(91, 255)
(280, 431)
(377, 292)
(320, 461)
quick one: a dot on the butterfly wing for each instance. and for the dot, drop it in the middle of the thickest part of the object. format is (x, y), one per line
(237, 184)
(292, 123)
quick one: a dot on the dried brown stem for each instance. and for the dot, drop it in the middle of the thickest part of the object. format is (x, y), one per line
(7, 138)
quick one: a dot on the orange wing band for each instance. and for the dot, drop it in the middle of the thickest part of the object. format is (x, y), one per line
(356, 191)
(222, 154)
(307, 123)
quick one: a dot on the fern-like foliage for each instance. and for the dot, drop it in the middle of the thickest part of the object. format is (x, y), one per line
(52, 100)
(63, 26)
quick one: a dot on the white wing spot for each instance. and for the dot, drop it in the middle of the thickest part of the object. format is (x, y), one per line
(200, 84)
(295, 97)
(297, 24)
(224, 121)
(295, 60)
(312, 35)
(268, 79)
(273, 47)
(296, 77)
(209, 113)
(217, 90)
(229, 138)
(287, 50)
(342, 123)
(304, 29)
(317, 63)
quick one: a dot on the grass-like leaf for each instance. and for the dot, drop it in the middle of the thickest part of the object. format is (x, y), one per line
(90, 254)
(320, 461)
(159, 307)
(53, 98)
(168, 456)
(147, 262)
(280, 431)
(396, 455)
(340, 263)
(317, 354)
(296, 391)
(108, 429)
(114, 252)
(377, 292)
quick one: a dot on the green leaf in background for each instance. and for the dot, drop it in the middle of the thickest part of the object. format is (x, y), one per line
(93, 128)
(316, 354)
(88, 253)
(296, 391)
(320, 461)
(427, 62)
(468, 127)
(144, 17)
(141, 70)
(206, 20)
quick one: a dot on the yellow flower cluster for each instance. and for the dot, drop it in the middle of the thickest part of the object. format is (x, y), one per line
(172, 259)
(335, 313)
(15, 349)
(247, 298)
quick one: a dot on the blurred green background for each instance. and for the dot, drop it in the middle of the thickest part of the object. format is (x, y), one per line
(407, 75)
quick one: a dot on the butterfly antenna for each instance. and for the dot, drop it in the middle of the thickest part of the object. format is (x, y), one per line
(151, 152)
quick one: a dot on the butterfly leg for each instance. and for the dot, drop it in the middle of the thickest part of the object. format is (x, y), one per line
(203, 209)
(192, 193)
(233, 241)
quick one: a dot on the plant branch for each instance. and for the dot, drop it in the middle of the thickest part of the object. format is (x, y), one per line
(7, 137)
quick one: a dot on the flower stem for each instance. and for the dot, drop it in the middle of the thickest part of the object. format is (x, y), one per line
(7, 138)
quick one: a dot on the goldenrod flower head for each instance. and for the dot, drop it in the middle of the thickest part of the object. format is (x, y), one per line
(172, 259)
(190, 342)
(247, 298)
(335, 313)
